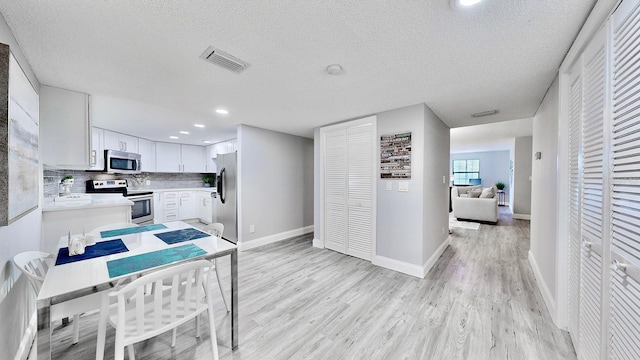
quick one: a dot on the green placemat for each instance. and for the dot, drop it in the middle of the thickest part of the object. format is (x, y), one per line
(152, 259)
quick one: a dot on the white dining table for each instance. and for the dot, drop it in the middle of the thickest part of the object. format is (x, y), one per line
(73, 280)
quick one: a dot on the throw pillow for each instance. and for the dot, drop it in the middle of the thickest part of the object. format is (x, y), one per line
(487, 193)
(464, 195)
(475, 193)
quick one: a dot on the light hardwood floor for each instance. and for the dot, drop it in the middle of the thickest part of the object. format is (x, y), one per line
(480, 301)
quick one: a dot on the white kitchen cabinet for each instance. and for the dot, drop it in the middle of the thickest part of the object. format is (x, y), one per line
(204, 206)
(121, 142)
(97, 149)
(147, 151)
(168, 157)
(180, 158)
(210, 153)
(158, 207)
(171, 205)
(187, 205)
(65, 121)
(193, 158)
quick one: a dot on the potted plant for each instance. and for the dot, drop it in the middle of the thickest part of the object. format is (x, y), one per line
(500, 185)
(67, 180)
(207, 180)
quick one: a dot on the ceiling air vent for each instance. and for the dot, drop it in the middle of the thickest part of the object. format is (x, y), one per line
(222, 59)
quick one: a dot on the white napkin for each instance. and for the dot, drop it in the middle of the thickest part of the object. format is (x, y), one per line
(76, 246)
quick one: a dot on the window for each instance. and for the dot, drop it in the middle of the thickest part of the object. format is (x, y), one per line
(463, 170)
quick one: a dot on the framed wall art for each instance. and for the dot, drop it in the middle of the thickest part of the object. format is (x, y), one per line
(395, 156)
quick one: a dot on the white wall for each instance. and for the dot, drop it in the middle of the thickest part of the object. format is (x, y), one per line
(400, 214)
(436, 188)
(276, 182)
(17, 299)
(522, 173)
(544, 212)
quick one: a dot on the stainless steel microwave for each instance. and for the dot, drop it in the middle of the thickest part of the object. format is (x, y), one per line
(121, 162)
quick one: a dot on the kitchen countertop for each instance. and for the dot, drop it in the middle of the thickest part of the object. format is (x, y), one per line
(95, 201)
(209, 189)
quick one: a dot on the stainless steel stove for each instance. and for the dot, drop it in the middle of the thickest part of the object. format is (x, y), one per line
(142, 209)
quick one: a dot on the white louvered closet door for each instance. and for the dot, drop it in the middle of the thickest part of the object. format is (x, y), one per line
(625, 191)
(361, 162)
(335, 190)
(575, 175)
(592, 201)
(349, 185)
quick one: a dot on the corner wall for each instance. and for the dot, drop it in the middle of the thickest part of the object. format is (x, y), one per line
(17, 298)
(276, 182)
(544, 190)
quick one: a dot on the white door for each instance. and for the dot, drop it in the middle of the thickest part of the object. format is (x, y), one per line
(625, 185)
(592, 200)
(349, 187)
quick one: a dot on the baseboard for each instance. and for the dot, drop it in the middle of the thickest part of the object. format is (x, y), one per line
(27, 339)
(544, 289)
(434, 258)
(411, 269)
(246, 245)
(397, 265)
(521, 216)
(317, 243)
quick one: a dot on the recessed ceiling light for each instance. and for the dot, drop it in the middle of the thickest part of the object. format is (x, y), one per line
(206, 141)
(461, 4)
(222, 111)
(173, 137)
(184, 132)
(198, 125)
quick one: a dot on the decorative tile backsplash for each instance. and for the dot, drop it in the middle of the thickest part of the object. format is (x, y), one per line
(52, 180)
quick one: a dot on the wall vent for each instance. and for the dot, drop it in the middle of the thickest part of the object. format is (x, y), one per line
(222, 59)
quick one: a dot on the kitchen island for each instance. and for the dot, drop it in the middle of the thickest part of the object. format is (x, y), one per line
(84, 214)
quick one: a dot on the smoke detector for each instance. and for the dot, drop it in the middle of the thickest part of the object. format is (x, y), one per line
(334, 69)
(224, 60)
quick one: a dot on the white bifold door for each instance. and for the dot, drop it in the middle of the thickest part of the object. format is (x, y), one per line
(348, 158)
(604, 186)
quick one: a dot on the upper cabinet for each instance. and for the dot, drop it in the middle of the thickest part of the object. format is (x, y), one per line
(64, 118)
(121, 142)
(180, 158)
(212, 152)
(97, 149)
(147, 151)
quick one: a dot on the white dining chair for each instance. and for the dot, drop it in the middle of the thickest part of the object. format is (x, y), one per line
(138, 316)
(216, 229)
(34, 265)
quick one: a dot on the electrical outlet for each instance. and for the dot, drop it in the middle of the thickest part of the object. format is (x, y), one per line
(148, 182)
(443, 230)
(403, 186)
(444, 179)
(252, 228)
(389, 186)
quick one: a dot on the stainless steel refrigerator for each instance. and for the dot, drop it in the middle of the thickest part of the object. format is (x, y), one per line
(226, 204)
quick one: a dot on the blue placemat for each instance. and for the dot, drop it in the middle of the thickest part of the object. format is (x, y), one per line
(176, 236)
(152, 259)
(131, 230)
(102, 248)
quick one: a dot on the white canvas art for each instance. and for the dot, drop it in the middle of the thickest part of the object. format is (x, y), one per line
(23, 132)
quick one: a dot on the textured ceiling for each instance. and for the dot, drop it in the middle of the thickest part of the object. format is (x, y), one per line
(502, 54)
(489, 137)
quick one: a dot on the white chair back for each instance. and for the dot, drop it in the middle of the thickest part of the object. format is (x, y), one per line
(34, 265)
(215, 229)
(140, 316)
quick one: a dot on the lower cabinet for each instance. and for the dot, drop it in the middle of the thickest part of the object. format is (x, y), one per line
(171, 206)
(204, 206)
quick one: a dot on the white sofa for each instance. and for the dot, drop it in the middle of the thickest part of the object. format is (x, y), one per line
(471, 208)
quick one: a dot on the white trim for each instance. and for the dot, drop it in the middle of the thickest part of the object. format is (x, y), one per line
(544, 289)
(411, 269)
(399, 266)
(28, 338)
(246, 245)
(436, 255)
(317, 243)
(521, 216)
